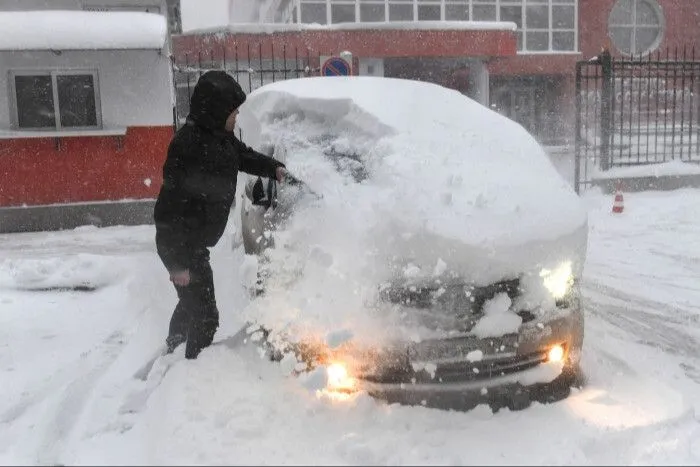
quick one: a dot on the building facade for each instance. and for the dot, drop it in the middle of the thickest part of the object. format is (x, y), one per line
(86, 109)
(534, 85)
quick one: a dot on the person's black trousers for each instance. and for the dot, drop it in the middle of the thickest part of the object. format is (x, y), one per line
(196, 317)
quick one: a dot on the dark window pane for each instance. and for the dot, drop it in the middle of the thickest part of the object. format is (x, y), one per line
(563, 41)
(484, 13)
(622, 38)
(538, 17)
(429, 12)
(76, 100)
(400, 12)
(563, 17)
(458, 12)
(645, 39)
(513, 14)
(342, 13)
(372, 12)
(621, 12)
(646, 14)
(537, 40)
(313, 13)
(35, 107)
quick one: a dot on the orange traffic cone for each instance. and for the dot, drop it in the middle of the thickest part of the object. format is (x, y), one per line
(619, 203)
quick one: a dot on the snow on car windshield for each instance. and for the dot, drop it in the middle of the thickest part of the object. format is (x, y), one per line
(418, 182)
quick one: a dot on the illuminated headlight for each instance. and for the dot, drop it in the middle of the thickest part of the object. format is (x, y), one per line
(339, 378)
(559, 281)
(556, 354)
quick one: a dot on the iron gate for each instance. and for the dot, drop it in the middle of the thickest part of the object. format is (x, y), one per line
(252, 67)
(635, 112)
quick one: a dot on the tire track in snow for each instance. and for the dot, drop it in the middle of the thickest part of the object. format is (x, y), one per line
(647, 322)
(74, 386)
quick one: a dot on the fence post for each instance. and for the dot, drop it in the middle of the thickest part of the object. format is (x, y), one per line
(174, 84)
(607, 95)
(577, 136)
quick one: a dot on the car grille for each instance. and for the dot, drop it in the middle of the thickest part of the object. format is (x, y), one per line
(458, 371)
(453, 307)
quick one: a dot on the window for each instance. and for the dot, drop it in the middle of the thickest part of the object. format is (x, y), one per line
(545, 25)
(400, 10)
(636, 26)
(372, 11)
(456, 10)
(548, 26)
(314, 12)
(484, 10)
(343, 12)
(56, 100)
(429, 10)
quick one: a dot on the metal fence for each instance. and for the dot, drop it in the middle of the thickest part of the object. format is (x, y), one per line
(636, 111)
(259, 67)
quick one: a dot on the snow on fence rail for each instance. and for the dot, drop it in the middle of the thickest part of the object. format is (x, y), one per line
(251, 72)
(636, 111)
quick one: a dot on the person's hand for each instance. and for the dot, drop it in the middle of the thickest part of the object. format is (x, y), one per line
(181, 278)
(280, 173)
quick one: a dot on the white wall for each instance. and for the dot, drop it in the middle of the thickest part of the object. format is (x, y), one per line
(202, 14)
(135, 87)
(13, 5)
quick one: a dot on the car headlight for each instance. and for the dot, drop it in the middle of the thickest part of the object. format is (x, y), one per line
(339, 378)
(558, 281)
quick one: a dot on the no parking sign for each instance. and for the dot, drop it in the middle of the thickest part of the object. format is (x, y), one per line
(335, 66)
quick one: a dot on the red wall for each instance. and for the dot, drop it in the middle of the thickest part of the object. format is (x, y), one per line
(682, 28)
(362, 43)
(51, 170)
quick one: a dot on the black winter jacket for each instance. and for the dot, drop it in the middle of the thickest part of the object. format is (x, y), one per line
(201, 171)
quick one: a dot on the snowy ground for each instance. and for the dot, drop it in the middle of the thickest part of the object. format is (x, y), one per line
(67, 360)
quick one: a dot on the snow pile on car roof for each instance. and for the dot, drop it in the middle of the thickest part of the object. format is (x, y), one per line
(418, 182)
(453, 165)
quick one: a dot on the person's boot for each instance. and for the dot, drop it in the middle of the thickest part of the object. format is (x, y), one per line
(200, 336)
(173, 342)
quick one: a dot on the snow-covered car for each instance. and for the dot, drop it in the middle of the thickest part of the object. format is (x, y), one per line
(431, 254)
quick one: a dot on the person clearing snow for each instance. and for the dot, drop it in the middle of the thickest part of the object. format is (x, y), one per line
(199, 187)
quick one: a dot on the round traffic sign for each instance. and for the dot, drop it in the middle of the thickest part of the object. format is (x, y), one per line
(335, 66)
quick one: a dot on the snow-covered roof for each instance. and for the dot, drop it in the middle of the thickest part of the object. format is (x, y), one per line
(81, 30)
(386, 25)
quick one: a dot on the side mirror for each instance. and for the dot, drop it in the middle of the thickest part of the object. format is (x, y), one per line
(263, 193)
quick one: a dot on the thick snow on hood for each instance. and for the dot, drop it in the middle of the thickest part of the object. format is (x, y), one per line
(417, 181)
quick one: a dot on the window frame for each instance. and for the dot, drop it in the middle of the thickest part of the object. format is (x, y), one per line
(471, 6)
(633, 26)
(54, 73)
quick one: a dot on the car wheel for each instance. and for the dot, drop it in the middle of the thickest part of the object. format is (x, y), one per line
(560, 388)
(520, 400)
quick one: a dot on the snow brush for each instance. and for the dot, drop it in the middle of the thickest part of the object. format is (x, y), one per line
(294, 181)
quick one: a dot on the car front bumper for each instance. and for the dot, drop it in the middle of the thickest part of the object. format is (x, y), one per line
(511, 369)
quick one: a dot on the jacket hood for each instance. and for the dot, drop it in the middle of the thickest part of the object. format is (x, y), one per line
(215, 96)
